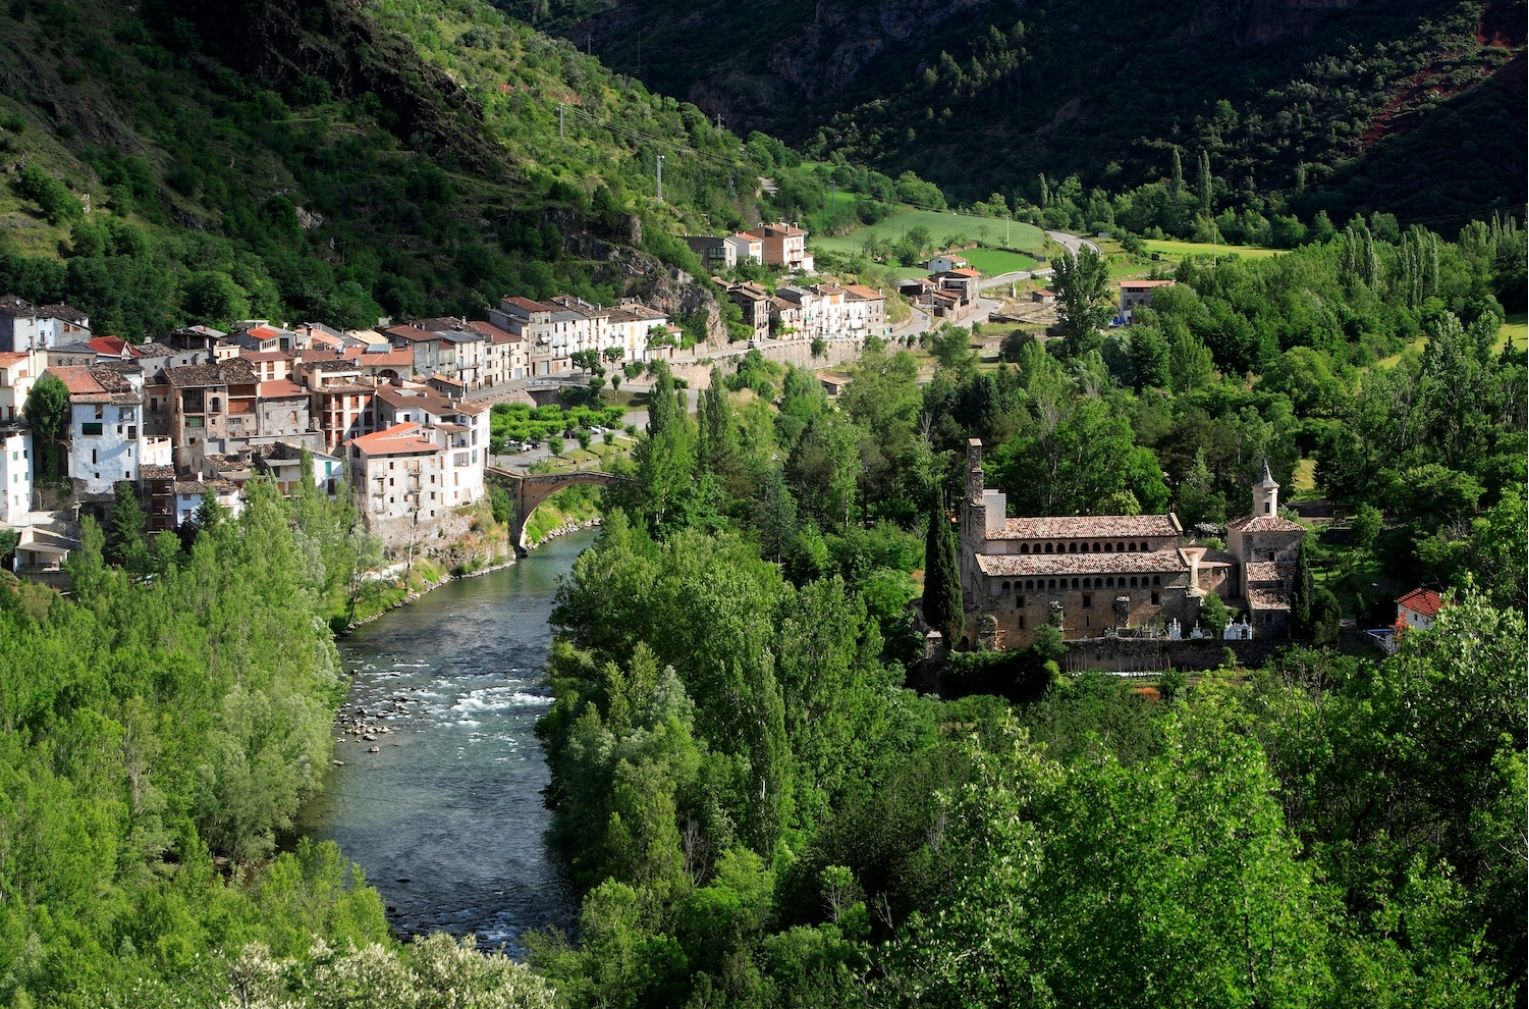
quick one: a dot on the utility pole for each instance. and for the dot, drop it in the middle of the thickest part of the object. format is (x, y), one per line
(561, 108)
(660, 164)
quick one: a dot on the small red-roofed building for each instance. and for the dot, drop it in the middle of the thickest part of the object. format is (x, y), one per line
(1418, 609)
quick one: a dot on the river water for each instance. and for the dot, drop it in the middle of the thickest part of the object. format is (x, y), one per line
(447, 819)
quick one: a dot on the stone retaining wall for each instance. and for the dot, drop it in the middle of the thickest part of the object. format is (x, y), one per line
(1133, 655)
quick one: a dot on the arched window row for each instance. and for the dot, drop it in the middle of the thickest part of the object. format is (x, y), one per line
(1086, 547)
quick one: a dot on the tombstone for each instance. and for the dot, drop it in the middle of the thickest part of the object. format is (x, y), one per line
(932, 642)
(1174, 631)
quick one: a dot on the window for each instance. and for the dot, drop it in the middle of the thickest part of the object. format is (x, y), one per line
(132, 433)
(89, 429)
(1157, 580)
(1019, 603)
(1155, 600)
(1072, 548)
(1088, 600)
(1021, 621)
(1268, 505)
(93, 459)
(100, 412)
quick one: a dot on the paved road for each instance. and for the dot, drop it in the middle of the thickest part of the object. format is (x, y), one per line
(1072, 243)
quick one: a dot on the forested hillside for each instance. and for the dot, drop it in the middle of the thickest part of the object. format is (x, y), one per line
(1398, 105)
(178, 161)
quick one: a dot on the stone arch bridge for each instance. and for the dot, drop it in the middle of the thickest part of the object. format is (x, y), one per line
(528, 490)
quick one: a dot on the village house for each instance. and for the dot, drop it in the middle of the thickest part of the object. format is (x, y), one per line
(945, 263)
(746, 247)
(107, 442)
(18, 371)
(282, 461)
(1136, 293)
(211, 404)
(15, 473)
(340, 399)
(25, 326)
(397, 473)
(754, 302)
(867, 310)
(1417, 610)
(268, 365)
(503, 355)
(196, 338)
(1101, 575)
(423, 345)
(783, 245)
(630, 325)
(1044, 296)
(715, 252)
(190, 493)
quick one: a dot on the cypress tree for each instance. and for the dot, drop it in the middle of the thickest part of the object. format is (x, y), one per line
(1204, 182)
(1176, 186)
(942, 573)
(124, 528)
(1300, 595)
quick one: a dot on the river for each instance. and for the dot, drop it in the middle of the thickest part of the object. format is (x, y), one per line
(447, 819)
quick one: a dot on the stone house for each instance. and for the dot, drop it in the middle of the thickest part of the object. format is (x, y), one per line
(754, 302)
(1136, 293)
(1102, 575)
(397, 473)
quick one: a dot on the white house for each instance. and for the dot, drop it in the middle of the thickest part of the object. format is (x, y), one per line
(106, 436)
(15, 473)
(1418, 609)
(189, 495)
(398, 473)
(25, 326)
(946, 263)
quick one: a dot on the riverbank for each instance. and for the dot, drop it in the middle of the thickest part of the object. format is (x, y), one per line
(472, 556)
(442, 807)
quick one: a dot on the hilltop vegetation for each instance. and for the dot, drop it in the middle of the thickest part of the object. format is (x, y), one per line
(1394, 105)
(334, 162)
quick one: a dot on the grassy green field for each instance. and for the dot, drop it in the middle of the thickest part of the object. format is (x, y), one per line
(995, 261)
(941, 225)
(1176, 248)
(1515, 329)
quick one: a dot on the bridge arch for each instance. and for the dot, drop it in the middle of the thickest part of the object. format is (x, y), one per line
(529, 490)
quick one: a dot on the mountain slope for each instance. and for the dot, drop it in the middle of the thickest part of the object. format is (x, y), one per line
(983, 95)
(319, 158)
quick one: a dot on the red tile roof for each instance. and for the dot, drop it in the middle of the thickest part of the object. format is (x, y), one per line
(1265, 524)
(1137, 285)
(264, 332)
(529, 305)
(400, 439)
(77, 379)
(1424, 601)
(1170, 560)
(964, 271)
(1104, 527)
(280, 389)
(262, 356)
(112, 345)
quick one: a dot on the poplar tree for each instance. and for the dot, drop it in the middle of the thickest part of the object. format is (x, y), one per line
(1176, 186)
(1204, 182)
